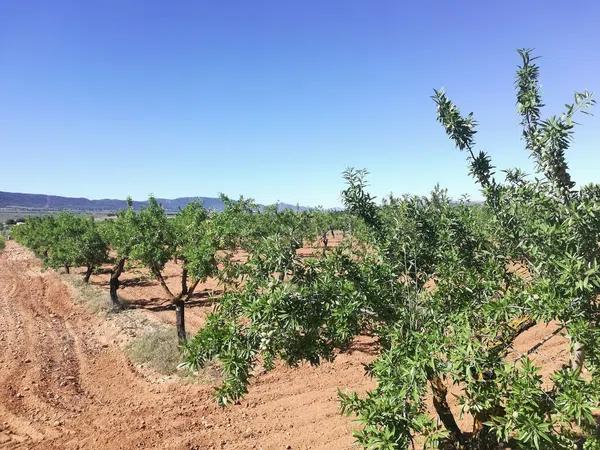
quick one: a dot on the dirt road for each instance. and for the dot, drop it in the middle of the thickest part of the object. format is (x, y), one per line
(65, 385)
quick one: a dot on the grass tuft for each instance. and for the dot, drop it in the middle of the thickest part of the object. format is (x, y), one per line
(94, 299)
(157, 350)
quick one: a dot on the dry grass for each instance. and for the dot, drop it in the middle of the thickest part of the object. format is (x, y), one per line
(157, 350)
(95, 300)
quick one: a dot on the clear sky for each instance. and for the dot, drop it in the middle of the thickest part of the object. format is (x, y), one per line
(273, 99)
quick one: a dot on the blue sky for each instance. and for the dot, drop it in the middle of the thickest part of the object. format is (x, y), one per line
(273, 99)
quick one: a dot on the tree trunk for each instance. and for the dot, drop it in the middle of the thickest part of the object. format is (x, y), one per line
(88, 273)
(67, 268)
(114, 283)
(180, 320)
(443, 410)
(184, 286)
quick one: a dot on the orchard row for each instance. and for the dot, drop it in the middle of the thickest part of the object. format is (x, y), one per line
(435, 282)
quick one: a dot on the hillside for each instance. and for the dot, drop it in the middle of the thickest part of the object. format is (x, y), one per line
(43, 202)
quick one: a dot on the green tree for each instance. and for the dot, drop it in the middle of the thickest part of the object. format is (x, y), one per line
(121, 235)
(188, 237)
(92, 248)
(196, 248)
(64, 240)
(432, 279)
(153, 242)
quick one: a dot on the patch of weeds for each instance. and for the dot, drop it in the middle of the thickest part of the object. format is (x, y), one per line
(96, 300)
(157, 350)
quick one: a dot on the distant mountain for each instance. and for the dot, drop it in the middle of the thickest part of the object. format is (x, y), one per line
(42, 202)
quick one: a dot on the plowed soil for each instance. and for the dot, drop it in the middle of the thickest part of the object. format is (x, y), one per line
(66, 384)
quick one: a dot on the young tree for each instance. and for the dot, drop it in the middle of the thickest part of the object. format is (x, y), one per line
(93, 249)
(235, 230)
(195, 247)
(37, 234)
(556, 203)
(154, 241)
(63, 244)
(65, 240)
(543, 225)
(185, 225)
(188, 237)
(120, 233)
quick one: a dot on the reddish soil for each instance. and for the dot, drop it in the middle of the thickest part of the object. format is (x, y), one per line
(66, 384)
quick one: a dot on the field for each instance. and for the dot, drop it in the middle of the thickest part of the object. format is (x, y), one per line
(411, 322)
(67, 383)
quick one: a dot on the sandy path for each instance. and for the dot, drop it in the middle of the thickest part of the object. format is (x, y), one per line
(65, 385)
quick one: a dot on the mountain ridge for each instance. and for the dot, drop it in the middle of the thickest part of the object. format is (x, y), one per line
(45, 202)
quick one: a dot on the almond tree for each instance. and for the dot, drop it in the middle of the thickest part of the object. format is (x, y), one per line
(121, 234)
(432, 282)
(538, 207)
(469, 320)
(153, 243)
(195, 247)
(188, 236)
(65, 240)
(35, 233)
(93, 250)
